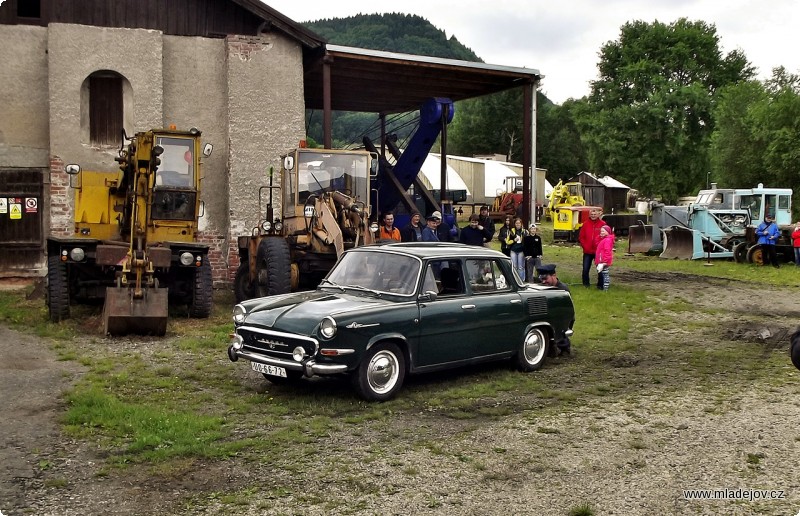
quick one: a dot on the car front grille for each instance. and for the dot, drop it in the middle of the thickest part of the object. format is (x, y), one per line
(274, 343)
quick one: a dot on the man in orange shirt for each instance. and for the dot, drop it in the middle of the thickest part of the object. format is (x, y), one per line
(387, 231)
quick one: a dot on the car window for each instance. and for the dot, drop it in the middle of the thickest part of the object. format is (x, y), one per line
(447, 275)
(379, 271)
(486, 276)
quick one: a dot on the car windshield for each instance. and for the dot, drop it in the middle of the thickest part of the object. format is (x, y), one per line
(376, 270)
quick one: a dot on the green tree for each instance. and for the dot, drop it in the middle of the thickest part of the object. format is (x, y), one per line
(648, 119)
(757, 137)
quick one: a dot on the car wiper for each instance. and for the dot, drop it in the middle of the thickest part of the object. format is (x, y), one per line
(363, 289)
(332, 284)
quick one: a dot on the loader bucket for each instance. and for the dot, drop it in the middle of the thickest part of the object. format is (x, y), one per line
(682, 243)
(643, 239)
(123, 314)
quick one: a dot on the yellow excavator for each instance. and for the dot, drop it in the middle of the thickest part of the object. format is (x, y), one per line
(135, 237)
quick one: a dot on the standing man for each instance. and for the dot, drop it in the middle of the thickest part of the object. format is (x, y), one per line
(472, 234)
(442, 228)
(768, 234)
(588, 237)
(387, 231)
(486, 224)
(429, 233)
(413, 231)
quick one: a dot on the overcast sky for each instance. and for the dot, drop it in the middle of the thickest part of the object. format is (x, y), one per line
(562, 38)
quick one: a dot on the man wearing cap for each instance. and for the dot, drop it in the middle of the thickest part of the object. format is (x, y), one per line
(547, 276)
(413, 231)
(429, 233)
(443, 229)
(768, 234)
(486, 224)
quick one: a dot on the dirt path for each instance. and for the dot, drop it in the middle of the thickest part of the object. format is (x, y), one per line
(32, 381)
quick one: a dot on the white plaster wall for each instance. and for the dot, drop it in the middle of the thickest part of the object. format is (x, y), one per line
(266, 118)
(75, 52)
(196, 95)
(24, 111)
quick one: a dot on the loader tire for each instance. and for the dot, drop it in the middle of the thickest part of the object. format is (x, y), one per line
(57, 289)
(755, 255)
(740, 252)
(243, 288)
(202, 292)
(273, 268)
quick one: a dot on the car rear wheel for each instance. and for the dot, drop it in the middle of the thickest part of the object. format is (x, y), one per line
(380, 374)
(533, 350)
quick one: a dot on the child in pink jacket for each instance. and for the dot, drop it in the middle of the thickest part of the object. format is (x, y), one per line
(604, 257)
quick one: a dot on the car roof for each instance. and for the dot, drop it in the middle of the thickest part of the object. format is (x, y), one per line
(424, 250)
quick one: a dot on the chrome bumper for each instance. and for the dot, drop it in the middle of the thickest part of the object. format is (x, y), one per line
(308, 367)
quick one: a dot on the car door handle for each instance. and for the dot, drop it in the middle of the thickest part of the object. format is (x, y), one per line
(515, 301)
(467, 307)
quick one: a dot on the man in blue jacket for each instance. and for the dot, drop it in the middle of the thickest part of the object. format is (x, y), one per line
(768, 234)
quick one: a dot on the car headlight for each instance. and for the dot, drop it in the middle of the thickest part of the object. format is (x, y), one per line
(299, 354)
(187, 258)
(327, 328)
(239, 314)
(77, 254)
(266, 226)
(237, 342)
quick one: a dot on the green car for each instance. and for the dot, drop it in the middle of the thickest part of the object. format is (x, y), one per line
(385, 311)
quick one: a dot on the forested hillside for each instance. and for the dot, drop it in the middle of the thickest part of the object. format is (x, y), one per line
(393, 32)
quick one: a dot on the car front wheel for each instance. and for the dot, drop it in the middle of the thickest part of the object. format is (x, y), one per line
(380, 374)
(532, 351)
(794, 349)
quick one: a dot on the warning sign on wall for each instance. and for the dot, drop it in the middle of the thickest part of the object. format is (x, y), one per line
(15, 208)
(31, 204)
(3, 205)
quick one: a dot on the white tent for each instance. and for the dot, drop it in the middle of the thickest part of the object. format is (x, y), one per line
(495, 174)
(431, 176)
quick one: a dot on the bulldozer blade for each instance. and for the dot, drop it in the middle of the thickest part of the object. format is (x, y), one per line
(123, 314)
(682, 243)
(643, 239)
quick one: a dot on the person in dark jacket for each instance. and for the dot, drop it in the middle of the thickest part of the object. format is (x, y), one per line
(413, 230)
(443, 229)
(532, 249)
(515, 247)
(547, 276)
(472, 234)
(502, 235)
(486, 224)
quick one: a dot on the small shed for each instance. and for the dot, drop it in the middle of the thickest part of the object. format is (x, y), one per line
(604, 191)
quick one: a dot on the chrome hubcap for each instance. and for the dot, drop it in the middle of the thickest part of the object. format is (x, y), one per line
(382, 372)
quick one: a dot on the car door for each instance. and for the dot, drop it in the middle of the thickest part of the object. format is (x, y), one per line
(446, 325)
(498, 307)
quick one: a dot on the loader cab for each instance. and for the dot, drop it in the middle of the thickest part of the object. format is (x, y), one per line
(760, 201)
(308, 173)
(175, 189)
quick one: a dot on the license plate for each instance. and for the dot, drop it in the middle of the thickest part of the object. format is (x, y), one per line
(268, 369)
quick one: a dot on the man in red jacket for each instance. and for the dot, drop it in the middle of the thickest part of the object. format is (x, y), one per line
(588, 236)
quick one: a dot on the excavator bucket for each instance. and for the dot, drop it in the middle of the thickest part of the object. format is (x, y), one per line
(643, 239)
(682, 243)
(123, 313)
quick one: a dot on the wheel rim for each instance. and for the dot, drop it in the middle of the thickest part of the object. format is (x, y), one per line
(382, 372)
(534, 347)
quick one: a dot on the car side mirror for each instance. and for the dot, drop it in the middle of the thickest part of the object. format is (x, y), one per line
(288, 162)
(429, 295)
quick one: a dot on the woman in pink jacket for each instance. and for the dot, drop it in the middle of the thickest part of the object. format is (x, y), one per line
(604, 257)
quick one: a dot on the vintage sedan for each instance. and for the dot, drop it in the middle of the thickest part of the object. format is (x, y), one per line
(385, 311)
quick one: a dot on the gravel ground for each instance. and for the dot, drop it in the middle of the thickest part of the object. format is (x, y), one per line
(627, 455)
